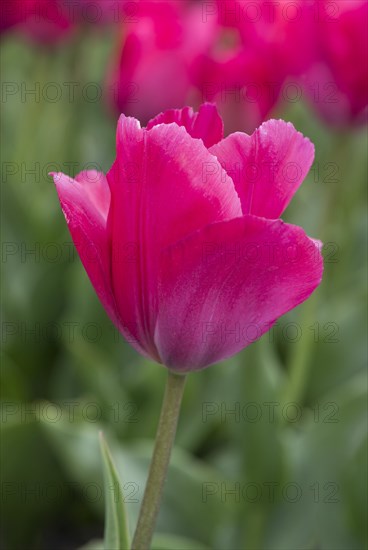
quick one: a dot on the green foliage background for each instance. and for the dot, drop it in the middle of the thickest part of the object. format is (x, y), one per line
(298, 477)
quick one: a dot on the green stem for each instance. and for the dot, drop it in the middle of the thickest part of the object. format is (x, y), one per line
(160, 461)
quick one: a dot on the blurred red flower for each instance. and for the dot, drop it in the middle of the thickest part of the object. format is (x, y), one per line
(48, 21)
(338, 80)
(152, 71)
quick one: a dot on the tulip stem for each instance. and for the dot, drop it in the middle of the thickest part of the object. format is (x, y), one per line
(160, 461)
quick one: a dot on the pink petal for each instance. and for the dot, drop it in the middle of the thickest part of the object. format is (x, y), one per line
(206, 124)
(96, 190)
(164, 185)
(224, 286)
(85, 203)
(267, 167)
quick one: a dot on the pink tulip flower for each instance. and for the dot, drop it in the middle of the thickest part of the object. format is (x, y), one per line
(49, 21)
(182, 239)
(261, 46)
(280, 30)
(44, 21)
(152, 69)
(13, 12)
(338, 81)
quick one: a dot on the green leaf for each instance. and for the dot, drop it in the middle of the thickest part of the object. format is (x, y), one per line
(116, 525)
(173, 542)
(24, 487)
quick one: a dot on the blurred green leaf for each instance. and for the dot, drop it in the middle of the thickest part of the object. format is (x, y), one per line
(160, 542)
(116, 525)
(77, 447)
(319, 477)
(170, 542)
(30, 479)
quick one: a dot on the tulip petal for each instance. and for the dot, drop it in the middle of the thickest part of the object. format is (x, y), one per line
(164, 185)
(87, 225)
(85, 202)
(206, 124)
(267, 167)
(96, 190)
(224, 286)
